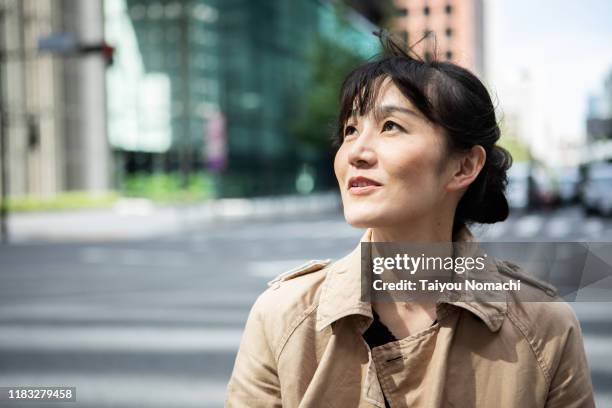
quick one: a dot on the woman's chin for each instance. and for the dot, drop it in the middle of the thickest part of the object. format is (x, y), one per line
(363, 220)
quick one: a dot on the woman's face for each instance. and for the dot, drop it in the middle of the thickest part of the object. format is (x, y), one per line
(391, 166)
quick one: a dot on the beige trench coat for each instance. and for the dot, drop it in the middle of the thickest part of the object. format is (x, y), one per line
(302, 347)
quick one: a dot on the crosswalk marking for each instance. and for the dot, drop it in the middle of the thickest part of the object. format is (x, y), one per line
(558, 227)
(133, 257)
(100, 315)
(495, 231)
(118, 339)
(528, 225)
(593, 227)
(270, 269)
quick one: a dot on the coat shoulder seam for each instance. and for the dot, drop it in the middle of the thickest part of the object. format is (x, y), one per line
(523, 330)
(291, 329)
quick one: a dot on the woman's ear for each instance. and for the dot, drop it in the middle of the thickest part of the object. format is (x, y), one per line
(466, 168)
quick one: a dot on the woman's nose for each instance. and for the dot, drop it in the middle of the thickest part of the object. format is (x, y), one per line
(362, 153)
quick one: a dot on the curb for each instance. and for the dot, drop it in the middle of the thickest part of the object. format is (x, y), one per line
(140, 218)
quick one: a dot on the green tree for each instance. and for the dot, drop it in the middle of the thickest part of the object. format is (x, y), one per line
(329, 65)
(519, 150)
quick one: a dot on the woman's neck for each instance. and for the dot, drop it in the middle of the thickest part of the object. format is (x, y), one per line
(420, 232)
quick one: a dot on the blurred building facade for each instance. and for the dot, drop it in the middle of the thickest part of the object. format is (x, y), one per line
(216, 86)
(599, 114)
(163, 83)
(55, 123)
(264, 76)
(456, 30)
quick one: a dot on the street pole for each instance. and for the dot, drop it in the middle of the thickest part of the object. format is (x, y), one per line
(4, 234)
(185, 148)
(3, 176)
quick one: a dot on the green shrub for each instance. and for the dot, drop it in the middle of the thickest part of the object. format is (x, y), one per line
(62, 201)
(166, 187)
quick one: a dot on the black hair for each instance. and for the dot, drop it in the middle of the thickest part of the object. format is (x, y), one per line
(450, 97)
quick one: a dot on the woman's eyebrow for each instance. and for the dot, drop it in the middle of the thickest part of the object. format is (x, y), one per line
(388, 109)
(382, 111)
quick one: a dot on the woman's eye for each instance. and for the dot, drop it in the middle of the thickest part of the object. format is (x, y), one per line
(389, 125)
(349, 130)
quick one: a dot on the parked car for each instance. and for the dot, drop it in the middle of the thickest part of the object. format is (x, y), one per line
(530, 187)
(568, 183)
(597, 189)
(544, 191)
(517, 190)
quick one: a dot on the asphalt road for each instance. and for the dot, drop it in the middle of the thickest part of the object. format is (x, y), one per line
(156, 323)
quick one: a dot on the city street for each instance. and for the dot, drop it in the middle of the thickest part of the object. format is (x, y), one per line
(157, 322)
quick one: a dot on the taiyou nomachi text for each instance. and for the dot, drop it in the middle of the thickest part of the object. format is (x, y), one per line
(425, 285)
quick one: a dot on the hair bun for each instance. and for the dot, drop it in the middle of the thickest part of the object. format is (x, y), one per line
(493, 209)
(485, 199)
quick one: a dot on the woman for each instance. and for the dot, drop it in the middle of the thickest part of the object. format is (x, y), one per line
(416, 162)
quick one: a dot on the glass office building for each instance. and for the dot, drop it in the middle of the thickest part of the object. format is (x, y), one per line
(216, 86)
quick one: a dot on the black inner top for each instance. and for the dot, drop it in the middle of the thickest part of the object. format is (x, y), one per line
(378, 334)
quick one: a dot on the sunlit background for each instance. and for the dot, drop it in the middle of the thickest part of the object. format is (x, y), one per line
(160, 161)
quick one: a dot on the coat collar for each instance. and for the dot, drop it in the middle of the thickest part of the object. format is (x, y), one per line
(341, 292)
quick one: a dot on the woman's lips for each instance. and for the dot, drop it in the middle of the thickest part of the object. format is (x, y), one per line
(362, 185)
(362, 190)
